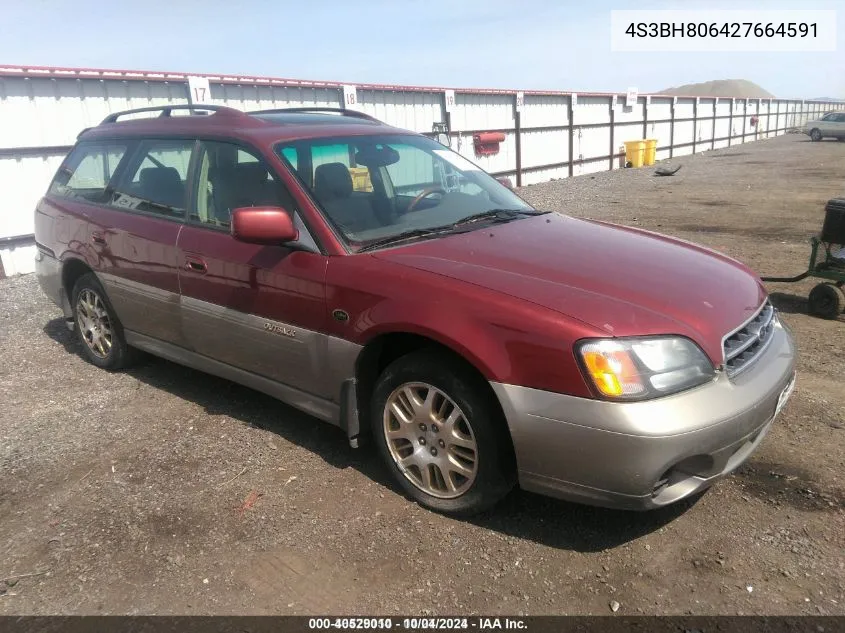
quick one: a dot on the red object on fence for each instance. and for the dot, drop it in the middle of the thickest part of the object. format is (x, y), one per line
(487, 142)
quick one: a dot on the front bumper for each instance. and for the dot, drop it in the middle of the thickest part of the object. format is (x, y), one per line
(645, 455)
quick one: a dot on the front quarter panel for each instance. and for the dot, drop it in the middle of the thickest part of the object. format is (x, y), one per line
(508, 340)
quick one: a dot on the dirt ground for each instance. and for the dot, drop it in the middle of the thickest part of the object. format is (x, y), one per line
(163, 490)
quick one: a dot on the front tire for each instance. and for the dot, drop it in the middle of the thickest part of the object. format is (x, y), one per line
(815, 134)
(97, 327)
(441, 436)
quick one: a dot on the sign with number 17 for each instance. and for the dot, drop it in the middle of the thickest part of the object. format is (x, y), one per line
(198, 90)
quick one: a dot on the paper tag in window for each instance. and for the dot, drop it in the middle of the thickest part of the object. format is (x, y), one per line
(126, 201)
(456, 159)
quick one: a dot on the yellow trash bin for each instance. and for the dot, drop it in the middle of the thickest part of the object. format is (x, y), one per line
(650, 151)
(634, 153)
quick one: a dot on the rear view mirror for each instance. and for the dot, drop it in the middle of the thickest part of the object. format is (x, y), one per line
(506, 182)
(376, 156)
(263, 225)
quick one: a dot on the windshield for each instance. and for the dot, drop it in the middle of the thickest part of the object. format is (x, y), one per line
(374, 188)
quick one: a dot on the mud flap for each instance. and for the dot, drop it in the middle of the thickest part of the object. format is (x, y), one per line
(349, 420)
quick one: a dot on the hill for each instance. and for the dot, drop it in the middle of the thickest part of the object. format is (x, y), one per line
(720, 88)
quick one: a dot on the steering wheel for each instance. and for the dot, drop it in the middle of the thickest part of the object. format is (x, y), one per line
(425, 193)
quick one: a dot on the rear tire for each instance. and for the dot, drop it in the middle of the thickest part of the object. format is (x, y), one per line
(815, 134)
(826, 301)
(441, 436)
(97, 327)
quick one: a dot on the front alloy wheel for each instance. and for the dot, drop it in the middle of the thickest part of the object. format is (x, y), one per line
(442, 434)
(430, 440)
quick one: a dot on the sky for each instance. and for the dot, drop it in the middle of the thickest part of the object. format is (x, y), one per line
(511, 44)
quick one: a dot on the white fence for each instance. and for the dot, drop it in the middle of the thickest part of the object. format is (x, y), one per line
(547, 135)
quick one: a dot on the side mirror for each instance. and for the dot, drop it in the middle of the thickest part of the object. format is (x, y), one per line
(263, 225)
(506, 182)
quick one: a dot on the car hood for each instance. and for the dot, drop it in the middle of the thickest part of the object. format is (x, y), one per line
(622, 281)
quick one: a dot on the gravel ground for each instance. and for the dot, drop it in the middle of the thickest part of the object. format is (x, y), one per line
(163, 490)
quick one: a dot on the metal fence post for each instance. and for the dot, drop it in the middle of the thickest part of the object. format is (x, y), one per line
(713, 126)
(517, 123)
(612, 113)
(768, 117)
(645, 118)
(571, 137)
(672, 129)
(731, 124)
(695, 125)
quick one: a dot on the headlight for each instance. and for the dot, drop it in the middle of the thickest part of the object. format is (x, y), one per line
(642, 368)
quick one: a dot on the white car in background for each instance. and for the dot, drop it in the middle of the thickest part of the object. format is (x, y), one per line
(831, 125)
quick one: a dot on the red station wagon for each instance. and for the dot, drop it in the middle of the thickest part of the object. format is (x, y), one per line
(381, 282)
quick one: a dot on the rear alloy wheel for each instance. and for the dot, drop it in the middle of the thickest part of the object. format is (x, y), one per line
(826, 301)
(442, 437)
(815, 134)
(97, 325)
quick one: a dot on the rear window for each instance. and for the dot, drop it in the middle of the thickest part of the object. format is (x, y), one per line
(87, 171)
(155, 178)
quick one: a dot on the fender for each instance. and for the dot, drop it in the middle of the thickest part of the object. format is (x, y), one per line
(473, 339)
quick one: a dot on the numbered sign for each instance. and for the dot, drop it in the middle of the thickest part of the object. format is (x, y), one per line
(631, 97)
(520, 100)
(648, 100)
(350, 97)
(449, 100)
(198, 90)
(574, 98)
(614, 101)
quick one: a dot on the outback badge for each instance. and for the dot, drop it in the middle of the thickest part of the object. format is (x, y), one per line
(275, 328)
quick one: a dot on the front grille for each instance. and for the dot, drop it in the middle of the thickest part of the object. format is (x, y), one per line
(744, 346)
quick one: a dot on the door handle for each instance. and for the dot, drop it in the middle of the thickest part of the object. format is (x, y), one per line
(195, 264)
(98, 237)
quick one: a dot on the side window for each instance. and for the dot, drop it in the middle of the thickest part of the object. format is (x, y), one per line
(231, 177)
(414, 172)
(418, 170)
(87, 171)
(337, 155)
(155, 180)
(290, 155)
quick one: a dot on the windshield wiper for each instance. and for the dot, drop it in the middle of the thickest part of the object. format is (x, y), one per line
(498, 215)
(405, 235)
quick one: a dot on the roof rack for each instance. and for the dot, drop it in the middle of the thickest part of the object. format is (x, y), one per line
(304, 110)
(167, 109)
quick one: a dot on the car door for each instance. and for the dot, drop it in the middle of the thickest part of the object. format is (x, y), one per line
(258, 308)
(135, 233)
(827, 124)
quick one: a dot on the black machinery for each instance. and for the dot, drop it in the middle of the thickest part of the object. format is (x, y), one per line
(827, 261)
